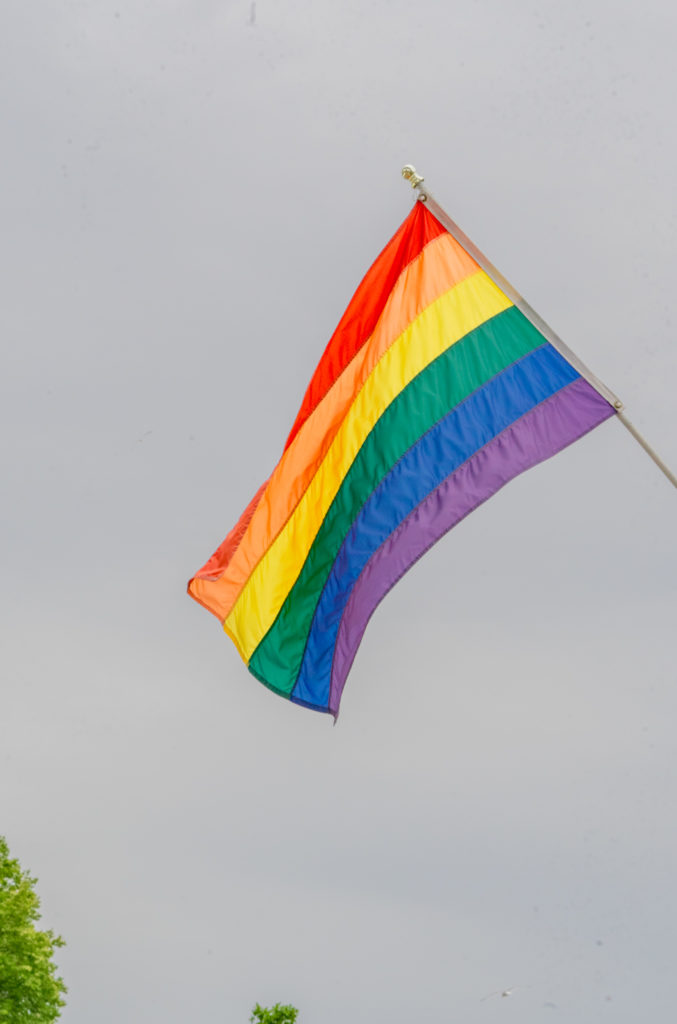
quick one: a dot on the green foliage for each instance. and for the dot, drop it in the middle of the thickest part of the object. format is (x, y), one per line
(30, 991)
(277, 1014)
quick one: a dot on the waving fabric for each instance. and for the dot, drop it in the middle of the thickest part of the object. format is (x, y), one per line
(434, 391)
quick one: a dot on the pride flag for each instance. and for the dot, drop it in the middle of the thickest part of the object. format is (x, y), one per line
(434, 391)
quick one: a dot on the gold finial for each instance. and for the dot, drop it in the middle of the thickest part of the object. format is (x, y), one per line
(410, 175)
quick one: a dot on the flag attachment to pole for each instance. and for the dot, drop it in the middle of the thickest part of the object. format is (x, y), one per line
(435, 390)
(416, 181)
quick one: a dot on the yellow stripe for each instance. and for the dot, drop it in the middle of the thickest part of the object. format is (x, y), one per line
(443, 323)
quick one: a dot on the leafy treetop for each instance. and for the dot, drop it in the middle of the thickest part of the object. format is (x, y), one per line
(277, 1014)
(30, 991)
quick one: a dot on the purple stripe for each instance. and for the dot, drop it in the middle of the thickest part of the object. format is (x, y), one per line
(540, 433)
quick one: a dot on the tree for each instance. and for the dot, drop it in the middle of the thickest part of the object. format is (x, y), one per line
(277, 1014)
(30, 991)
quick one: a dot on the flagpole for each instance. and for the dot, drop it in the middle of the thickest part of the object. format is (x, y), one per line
(423, 195)
(647, 447)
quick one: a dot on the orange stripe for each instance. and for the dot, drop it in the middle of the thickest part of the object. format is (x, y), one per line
(366, 306)
(440, 266)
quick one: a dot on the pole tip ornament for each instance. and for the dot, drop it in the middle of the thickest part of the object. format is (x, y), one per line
(410, 175)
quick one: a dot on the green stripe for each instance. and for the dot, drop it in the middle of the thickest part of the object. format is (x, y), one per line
(447, 381)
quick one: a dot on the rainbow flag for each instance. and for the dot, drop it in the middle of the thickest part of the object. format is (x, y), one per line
(434, 391)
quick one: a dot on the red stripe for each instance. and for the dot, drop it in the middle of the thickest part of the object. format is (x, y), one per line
(361, 316)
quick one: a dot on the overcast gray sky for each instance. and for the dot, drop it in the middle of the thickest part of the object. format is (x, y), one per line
(191, 192)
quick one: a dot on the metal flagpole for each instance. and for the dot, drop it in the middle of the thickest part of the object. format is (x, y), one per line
(647, 447)
(424, 196)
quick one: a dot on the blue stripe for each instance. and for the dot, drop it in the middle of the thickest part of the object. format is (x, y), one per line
(453, 440)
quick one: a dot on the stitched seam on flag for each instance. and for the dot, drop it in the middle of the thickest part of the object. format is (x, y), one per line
(400, 525)
(392, 470)
(480, 274)
(366, 341)
(287, 696)
(313, 707)
(477, 272)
